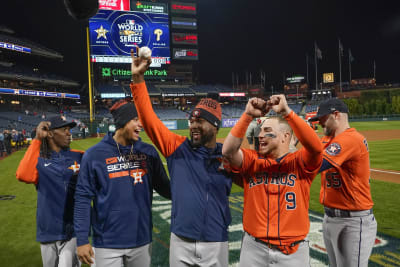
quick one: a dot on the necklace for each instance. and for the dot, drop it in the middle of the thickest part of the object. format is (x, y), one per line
(130, 153)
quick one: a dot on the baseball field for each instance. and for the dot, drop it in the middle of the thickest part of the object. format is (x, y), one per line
(18, 206)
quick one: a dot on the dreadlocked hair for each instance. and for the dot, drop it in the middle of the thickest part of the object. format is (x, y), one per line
(45, 149)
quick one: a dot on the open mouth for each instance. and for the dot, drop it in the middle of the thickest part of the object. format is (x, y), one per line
(262, 144)
(196, 135)
(136, 132)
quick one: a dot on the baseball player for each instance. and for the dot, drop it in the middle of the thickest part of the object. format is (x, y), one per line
(349, 225)
(199, 184)
(53, 168)
(276, 196)
(119, 175)
(250, 134)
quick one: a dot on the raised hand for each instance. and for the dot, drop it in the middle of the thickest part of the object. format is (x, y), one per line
(256, 107)
(279, 104)
(42, 130)
(139, 66)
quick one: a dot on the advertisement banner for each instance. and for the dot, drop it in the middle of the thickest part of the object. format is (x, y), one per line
(185, 54)
(15, 47)
(183, 8)
(115, 4)
(37, 93)
(184, 38)
(228, 123)
(184, 23)
(171, 125)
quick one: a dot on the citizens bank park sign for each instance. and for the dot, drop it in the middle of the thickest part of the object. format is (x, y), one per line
(123, 73)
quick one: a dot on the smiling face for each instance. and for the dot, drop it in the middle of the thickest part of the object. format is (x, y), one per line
(131, 130)
(274, 138)
(202, 133)
(60, 138)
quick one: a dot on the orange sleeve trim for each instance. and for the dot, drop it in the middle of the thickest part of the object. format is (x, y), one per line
(27, 171)
(165, 140)
(78, 151)
(240, 128)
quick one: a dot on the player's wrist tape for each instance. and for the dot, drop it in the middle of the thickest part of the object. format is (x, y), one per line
(289, 116)
(239, 130)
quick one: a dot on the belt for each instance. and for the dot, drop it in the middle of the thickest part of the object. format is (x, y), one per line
(272, 246)
(346, 213)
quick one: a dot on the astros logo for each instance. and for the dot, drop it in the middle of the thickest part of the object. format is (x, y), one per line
(75, 167)
(137, 176)
(333, 149)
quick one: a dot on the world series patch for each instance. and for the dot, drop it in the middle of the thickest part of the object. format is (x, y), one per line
(333, 149)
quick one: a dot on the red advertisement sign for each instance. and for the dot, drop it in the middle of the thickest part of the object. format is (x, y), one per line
(184, 38)
(115, 4)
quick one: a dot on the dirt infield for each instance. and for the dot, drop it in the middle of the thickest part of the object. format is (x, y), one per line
(375, 135)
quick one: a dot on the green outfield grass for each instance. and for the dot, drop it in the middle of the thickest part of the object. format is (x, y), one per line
(17, 217)
(385, 154)
(376, 125)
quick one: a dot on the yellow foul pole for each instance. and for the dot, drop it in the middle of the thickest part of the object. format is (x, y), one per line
(90, 77)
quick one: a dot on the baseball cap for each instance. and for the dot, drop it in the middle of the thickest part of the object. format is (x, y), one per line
(123, 111)
(328, 107)
(208, 109)
(59, 122)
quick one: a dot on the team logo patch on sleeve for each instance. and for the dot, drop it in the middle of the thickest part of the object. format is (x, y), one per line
(333, 149)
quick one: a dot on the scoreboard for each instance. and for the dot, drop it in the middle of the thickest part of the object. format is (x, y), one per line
(168, 28)
(113, 33)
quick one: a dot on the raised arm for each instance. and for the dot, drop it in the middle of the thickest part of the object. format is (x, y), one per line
(312, 152)
(165, 140)
(27, 171)
(256, 107)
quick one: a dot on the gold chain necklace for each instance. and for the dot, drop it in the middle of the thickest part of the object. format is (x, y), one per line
(130, 153)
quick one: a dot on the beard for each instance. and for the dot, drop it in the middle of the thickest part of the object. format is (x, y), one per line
(328, 131)
(205, 138)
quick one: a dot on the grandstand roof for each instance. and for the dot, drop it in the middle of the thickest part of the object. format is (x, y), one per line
(36, 49)
(28, 75)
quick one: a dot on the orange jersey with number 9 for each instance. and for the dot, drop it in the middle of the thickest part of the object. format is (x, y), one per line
(276, 198)
(346, 185)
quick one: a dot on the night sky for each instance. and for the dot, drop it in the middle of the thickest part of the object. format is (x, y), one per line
(235, 36)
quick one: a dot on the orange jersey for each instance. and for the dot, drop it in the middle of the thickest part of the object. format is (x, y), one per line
(276, 200)
(346, 186)
(276, 196)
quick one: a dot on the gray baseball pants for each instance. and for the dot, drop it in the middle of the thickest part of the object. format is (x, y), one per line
(349, 241)
(60, 254)
(130, 257)
(256, 254)
(185, 252)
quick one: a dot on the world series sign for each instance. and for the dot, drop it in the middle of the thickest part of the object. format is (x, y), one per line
(115, 33)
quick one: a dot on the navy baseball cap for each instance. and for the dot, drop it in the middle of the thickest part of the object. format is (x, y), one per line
(328, 107)
(59, 122)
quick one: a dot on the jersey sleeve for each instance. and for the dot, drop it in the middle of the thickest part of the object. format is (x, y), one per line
(311, 155)
(165, 140)
(27, 171)
(341, 150)
(160, 179)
